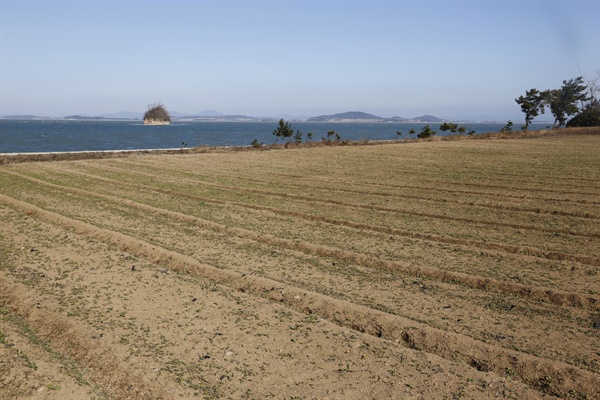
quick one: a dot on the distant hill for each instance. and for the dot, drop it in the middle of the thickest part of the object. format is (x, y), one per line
(224, 118)
(425, 118)
(350, 115)
(177, 114)
(21, 117)
(82, 117)
(124, 115)
(213, 115)
(358, 116)
(208, 113)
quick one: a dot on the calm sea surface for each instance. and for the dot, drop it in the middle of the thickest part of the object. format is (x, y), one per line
(26, 136)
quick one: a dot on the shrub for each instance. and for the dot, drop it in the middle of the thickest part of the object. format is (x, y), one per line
(507, 127)
(589, 117)
(426, 132)
(452, 127)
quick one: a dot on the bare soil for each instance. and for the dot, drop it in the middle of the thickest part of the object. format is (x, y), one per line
(435, 269)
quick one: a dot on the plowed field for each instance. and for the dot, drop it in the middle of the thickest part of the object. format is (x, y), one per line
(466, 269)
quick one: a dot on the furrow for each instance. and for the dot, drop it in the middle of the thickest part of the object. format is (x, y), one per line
(505, 187)
(355, 177)
(384, 209)
(480, 244)
(533, 371)
(436, 200)
(292, 177)
(589, 180)
(64, 336)
(476, 282)
(456, 191)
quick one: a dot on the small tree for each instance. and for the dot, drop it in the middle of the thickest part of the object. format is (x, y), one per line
(309, 136)
(426, 132)
(507, 127)
(452, 127)
(398, 134)
(298, 137)
(330, 135)
(532, 105)
(283, 130)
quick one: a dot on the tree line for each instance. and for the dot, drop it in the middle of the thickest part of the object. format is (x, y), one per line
(576, 103)
(284, 131)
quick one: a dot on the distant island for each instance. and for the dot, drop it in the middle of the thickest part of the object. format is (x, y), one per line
(157, 114)
(359, 116)
(350, 116)
(83, 118)
(215, 116)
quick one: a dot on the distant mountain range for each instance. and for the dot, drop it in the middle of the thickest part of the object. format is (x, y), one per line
(212, 115)
(356, 116)
(346, 116)
(23, 116)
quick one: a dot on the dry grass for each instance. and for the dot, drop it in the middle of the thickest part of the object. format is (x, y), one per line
(446, 268)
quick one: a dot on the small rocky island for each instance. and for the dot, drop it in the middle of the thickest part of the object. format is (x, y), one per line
(157, 114)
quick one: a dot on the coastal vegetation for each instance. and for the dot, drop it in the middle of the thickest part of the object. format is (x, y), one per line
(508, 127)
(576, 98)
(587, 117)
(157, 114)
(426, 132)
(284, 130)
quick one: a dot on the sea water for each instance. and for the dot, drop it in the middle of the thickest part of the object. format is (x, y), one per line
(27, 136)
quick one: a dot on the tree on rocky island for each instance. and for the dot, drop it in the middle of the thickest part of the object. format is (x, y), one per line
(157, 114)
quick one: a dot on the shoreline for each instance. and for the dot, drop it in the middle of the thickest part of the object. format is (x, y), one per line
(37, 153)
(9, 158)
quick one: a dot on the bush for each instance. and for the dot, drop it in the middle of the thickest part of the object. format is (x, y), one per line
(426, 132)
(508, 127)
(452, 127)
(589, 117)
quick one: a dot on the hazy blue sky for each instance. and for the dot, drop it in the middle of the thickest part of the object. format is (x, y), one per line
(453, 59)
